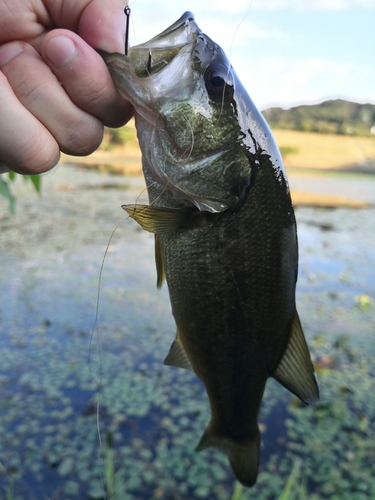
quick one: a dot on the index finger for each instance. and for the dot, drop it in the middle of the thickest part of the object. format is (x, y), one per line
(26, 146)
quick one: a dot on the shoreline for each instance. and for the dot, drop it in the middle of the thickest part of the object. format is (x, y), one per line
(119, 162)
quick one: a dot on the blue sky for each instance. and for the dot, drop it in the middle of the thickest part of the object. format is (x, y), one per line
(286, 52)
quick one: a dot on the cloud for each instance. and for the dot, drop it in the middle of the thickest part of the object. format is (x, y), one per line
(237, 34)
(271, 80)
(320, 5)
(225, 6)
(288, 82)
(224, 26)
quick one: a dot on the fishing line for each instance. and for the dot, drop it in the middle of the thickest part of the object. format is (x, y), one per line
(127, 12)
(96, 322)
(158, 196)
(192, 141)
(95, 329)
(235, 31)
(231, 48)
(141, 193)
(133, 28)
(145, 189)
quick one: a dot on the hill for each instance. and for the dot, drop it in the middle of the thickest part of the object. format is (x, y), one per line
(329, 117)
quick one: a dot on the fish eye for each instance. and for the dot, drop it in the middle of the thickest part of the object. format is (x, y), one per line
(218, 82)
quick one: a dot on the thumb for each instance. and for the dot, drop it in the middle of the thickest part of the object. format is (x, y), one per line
(85, 77)
(102, 25)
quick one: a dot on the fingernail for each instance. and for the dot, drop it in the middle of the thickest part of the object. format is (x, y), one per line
(8, 51)
(60, 50)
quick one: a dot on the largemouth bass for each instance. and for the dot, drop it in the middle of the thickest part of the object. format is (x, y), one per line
(225, 231)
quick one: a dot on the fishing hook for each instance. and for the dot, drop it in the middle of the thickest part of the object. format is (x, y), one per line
(149, 62)
(127, 14)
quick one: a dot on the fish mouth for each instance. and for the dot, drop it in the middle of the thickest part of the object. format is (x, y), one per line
(186, 21)
(151, 57)
(184, 35)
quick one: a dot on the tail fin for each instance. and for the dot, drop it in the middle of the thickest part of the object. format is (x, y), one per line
(243, 455)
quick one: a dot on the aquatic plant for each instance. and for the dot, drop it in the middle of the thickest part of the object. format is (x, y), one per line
(6, 191)
(155, 414)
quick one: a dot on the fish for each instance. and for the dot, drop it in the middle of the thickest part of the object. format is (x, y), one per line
(225, 232)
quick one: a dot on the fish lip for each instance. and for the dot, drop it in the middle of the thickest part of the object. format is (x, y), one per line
(187, 19)
(156, 54)
(183, 31)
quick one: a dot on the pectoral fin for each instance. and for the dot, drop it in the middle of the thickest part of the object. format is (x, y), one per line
(159, 220)
(295, 370)
(177, 356)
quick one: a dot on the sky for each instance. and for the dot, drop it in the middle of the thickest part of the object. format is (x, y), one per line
(285, 52)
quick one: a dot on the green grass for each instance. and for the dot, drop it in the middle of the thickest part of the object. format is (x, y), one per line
(6, 191)
(313, 150)
(114, 137)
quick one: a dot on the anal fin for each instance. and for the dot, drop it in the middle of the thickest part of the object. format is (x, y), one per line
(177, 356)
(295, 371)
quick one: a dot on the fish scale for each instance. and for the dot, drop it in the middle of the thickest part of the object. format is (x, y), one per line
(225, 232)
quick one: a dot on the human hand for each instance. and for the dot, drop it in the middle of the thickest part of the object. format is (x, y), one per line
(55, 90)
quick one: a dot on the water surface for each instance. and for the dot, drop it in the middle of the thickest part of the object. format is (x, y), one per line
(53, 372)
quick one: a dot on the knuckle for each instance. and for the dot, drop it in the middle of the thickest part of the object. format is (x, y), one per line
(96, 97)
(119, 116)
(83, 136)
(35, 156)
(28, 79)
(28, 87)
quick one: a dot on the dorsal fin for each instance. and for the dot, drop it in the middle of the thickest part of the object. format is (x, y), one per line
(159, 261)
(160, 220)
(177, 356)
(295, 370)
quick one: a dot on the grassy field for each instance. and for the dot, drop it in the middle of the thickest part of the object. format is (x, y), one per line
(123, 158)
(311, 150)
(303, 153)
(300, 150)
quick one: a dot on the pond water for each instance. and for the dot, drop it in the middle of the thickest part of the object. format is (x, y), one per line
(356, 187)
(54, 370)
